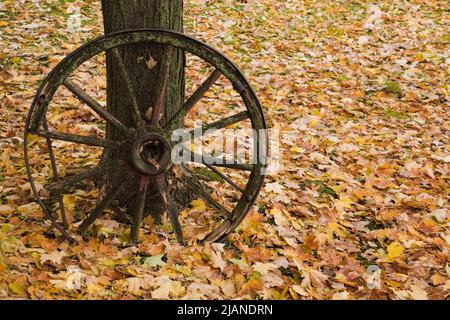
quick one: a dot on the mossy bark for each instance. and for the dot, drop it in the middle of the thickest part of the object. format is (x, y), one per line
(146, 82)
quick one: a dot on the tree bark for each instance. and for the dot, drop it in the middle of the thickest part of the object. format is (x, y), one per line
(146, 82)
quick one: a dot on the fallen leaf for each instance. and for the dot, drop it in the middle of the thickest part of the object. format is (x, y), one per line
(198, 205)
(151, 63)
(54, 257)
(17, 289)
(394, 251)
(154, 261)
(418, 293)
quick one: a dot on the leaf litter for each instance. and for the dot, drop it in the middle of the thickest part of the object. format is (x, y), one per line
(359, 209)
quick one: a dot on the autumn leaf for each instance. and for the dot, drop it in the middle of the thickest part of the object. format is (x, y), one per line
(54, 257)
(3, 261)
(164, 289)
(394, 251)
(198, 205)
(151, 63)
(228, 287)
(392, 87)
(354, 204)
(274, 187)
(418, 293)
(264, 268)
(6, 209)
(17, 289)
(155, 261)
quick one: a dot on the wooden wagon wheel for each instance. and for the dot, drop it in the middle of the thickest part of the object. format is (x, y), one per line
(147, 135)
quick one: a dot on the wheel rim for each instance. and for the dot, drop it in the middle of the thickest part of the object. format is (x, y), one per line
(58, 77)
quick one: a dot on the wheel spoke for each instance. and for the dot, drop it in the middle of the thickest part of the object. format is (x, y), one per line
(94, 105)
(50, 215)
(224, 177)
(201, 91)
(217, 162)
(139, 209)
(237, 166)
(86, 174)
(157, 112)
(165, 67)
(90, 141)
(135, 112)
(225, 122)
(198, 189)
(55, 175)
(170, 207)
(101, 206)
(196, 97)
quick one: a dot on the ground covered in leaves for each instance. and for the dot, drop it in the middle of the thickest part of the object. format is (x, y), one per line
(359, 207)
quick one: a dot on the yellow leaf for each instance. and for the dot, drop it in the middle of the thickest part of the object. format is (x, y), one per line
(32, 139)
(17, 289)
(16, 60)
(3, 23)
(344, 203)
(3, 262)
(313, 122)
(94, 288)
(275, 211)
(419, 57)
(437, 279)
(389, 214)
(316, 112)
(395, 250)
(69, 202)
(337, 229)
(199, 205)
(183, 270)
(197, 256)
(393, 283)
(296, 149)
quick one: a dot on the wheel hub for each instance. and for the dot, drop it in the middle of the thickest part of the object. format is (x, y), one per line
(150, 153)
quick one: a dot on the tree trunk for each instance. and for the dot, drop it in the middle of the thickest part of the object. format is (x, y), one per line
(146, 82)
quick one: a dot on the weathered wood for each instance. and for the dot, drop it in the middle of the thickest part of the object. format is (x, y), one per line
(146, 83)
(197, 189)
(224, 177)
(217, 162)
(87, 173)
(158, 109)
(94, 105)
(55, 174)
(237, 166)
(225, 122)
(101, 206)
(139, 209)
(135, 110)
(137, 14)
(38, 114)
(195, 97)
(170, 207)
(167, 38)
(90, 141)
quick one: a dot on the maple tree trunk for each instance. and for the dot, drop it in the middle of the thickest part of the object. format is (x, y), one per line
(135, 14)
